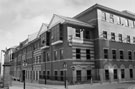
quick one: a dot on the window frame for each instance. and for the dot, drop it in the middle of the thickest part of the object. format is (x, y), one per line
(106, 54)
(78, 54)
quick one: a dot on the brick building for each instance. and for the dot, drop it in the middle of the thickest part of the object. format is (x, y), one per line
(98, 44)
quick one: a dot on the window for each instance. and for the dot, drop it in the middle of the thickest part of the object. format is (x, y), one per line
(87, 34)
(120, 37)
(55, 55)
(78, 33)
(48, 58)
(107, 74)
(78, 53)
(61, 31)
(114, 54)
(131, 73)
(129, 55)
(133, 39)
(103, 16)
(61, 75)
(44, 74)
(44, 57)
(106, 53)
(61, 53)
(39, 58)
(134, 55)
(89, 74)
(127, 22)
(119, 20)
(113, 36)
(115, 74)
(48, 73)
(37, 75)
(105, 34)
(121, 55)
(56, 75)
(122, 73)
(87, 53)
(111, 18)
(133, 23)
(78, 75)
(128, 39)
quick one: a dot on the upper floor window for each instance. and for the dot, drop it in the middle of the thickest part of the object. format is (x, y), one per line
(106, 53)
(114, 54)
(47, 57)
(87, 53)
(134, 24)
(78, 53)
(55, 55)
(129, 55)
(119, 20)
(61, 53)
(134, 55)
(113, 36)
(87, 34)
(103, 16)
(44, 56)
(111, 18)
(78, 33)
(105, 34)
(133, 39)
(61, 32)
(126, 22)
(120, 37)
(128, 39)
(121, 54)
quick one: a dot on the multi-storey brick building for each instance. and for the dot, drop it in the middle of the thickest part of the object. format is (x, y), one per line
(98, 44)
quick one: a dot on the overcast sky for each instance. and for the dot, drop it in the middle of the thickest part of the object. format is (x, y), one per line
(19, 18)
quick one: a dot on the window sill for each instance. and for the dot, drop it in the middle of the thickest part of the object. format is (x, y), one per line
(44, 47)
(57, 42)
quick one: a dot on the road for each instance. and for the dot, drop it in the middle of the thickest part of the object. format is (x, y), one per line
(115, 85)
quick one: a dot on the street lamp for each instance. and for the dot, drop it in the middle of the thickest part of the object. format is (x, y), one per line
(65, 69)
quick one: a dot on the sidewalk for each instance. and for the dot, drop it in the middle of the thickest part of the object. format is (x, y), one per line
(19, 85)
(107, 85)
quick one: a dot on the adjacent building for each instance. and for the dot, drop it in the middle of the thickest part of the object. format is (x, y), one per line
(98, 44)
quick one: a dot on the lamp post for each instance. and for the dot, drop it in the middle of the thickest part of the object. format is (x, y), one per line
(65, 69)
(23, 76)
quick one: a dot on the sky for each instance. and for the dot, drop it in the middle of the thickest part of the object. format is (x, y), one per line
(19, 18)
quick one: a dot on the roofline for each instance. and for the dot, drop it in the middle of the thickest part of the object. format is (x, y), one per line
(98, 6)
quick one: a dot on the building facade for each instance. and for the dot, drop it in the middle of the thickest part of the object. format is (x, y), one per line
(97, 44)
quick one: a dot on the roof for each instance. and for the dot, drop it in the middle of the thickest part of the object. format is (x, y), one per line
(62, 19)
(43, 28)
(98, 6)
(32, 36)
(74, 21)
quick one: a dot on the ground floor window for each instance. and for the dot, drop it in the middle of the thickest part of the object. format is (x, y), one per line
(33, 75)
(122, 73)
(89, 74)
(78, 75)
(115, 74)
(107, 74)
(48, 73)
(55, 75)
(44, 74)
(36, 75)
(131, 73)
(61, 75)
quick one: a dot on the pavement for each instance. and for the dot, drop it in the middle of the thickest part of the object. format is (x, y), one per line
(113, 85)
